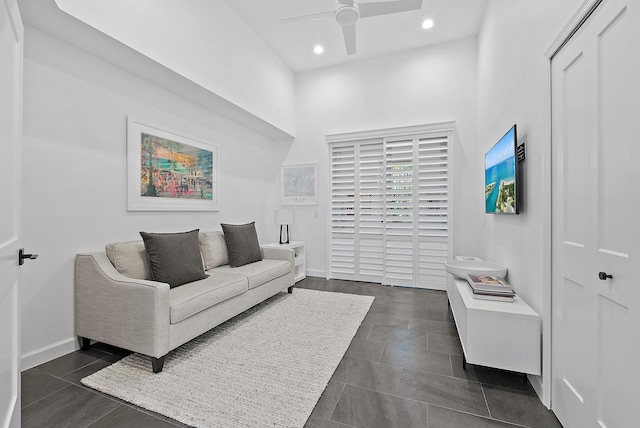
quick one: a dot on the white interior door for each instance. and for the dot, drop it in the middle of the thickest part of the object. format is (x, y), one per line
(595, 176)
(11, 32)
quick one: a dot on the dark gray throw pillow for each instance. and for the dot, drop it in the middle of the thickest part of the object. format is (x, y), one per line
(174, 258)
(242, 243)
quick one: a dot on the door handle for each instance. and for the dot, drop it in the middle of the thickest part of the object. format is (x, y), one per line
(603, 276)
(22, 256)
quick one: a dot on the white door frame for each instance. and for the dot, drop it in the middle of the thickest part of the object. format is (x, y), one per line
(12, 40)
(581, 14)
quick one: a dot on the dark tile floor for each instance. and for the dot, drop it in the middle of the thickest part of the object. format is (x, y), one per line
(403, 369)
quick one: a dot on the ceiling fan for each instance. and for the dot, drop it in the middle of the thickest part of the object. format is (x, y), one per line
(348, 12)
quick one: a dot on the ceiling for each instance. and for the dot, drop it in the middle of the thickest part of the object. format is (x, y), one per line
(380, 35)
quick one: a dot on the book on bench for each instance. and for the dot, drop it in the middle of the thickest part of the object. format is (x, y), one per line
(486, 287)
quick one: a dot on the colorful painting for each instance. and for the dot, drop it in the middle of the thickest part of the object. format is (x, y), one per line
(170, 169)
(172, 173)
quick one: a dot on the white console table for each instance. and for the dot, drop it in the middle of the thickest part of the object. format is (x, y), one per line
(503, 335)
(300, 268)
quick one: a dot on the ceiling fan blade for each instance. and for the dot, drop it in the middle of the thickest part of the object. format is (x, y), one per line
(349, 32)
(388, 7)
(311, 17)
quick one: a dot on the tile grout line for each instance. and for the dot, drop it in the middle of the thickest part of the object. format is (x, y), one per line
(392, 395)
(422, 371)
(435, 405)
(61, 377)
(428, 413)
(384, 348)
(370, 330)
(451, 367)
(412, 399)
(479, 416)
(344, 386)
(102, 394)
(485, 400)
(153, 414)
(46, 396)
(413, 369)
(101, 417)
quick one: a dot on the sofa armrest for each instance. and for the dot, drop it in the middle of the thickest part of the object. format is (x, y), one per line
(121, 311)
(281, 254)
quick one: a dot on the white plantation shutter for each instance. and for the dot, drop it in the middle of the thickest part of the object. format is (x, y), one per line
(399, 212)
(370, 210)
(390, 210)
(343, 212)
(432, 207)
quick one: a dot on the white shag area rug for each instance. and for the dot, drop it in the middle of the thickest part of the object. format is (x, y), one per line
(266, 367)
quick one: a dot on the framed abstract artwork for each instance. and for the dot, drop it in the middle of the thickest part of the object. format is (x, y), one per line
(299, 184)
(167, 171)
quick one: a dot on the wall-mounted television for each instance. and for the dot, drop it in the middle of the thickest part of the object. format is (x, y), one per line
(501, 171)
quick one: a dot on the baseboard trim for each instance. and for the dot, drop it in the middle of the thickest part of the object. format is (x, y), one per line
(317, 273)
(536, 383)
(48, 353)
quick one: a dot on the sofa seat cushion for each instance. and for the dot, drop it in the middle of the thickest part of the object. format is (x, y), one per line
(259, 272)
(191, 298)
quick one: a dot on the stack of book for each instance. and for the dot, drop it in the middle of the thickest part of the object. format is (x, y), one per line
(486, 287)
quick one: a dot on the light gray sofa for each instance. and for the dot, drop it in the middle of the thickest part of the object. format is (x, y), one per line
(117, 302)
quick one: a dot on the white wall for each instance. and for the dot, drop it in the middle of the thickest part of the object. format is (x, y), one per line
(203, 40)
(430, 85)
(515, 88)
(75, 109)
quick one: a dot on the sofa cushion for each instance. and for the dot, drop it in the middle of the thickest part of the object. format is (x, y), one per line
(130, 259)
(242, 243)
(214, 249)
(174, 258)
(191, 298)
(259, 272)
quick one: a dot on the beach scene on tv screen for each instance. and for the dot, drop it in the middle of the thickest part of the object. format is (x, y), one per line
(500, 172)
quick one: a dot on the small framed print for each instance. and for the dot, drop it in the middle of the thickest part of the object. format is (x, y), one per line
(299, 184)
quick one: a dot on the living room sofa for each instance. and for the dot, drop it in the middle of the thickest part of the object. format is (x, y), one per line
(119, 304)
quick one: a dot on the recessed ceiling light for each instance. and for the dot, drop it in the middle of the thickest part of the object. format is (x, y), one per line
(318, 49)
(427, 23)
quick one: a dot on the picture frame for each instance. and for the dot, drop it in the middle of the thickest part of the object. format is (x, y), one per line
(168, 171)
(299, 184)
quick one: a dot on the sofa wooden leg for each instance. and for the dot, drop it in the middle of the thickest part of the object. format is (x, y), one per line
(85, 343)
(290, 289)
(157, 363)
